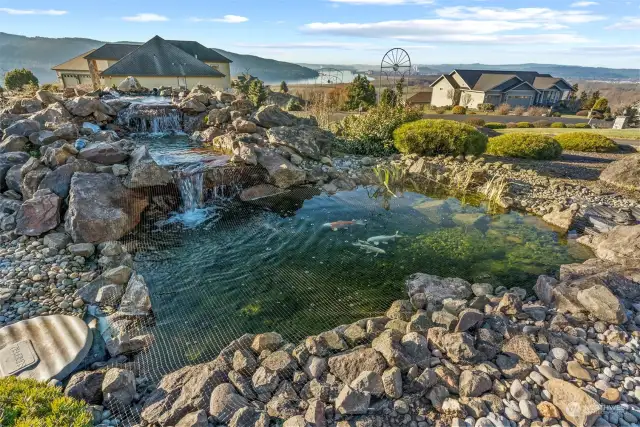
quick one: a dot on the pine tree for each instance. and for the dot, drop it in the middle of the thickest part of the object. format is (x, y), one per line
(283, 87)
(361, 93)
(257, 92)
(242, 83)
(388, 97)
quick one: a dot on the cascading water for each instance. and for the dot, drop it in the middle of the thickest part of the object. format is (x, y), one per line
(151, 118)
(193, 211)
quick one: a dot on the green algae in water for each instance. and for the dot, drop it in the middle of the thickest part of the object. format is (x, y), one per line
(254, 271)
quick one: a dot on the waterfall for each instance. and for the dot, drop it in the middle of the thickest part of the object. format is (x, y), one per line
(151, 118)
(190, 183)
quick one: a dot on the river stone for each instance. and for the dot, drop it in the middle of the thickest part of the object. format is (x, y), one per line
(348, 366)
(624, 173)
(60, 344)
(136, 300)
(600, 302)
(438, 289)
(282, 173)
(39, 214)
(308, 141)
(101, 209)
(144, 171)
(577, 406)
(104, 154)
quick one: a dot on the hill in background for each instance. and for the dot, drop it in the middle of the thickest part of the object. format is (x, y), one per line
(39, 54)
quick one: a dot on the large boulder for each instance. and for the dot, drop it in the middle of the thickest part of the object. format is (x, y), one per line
(23, 127)
(104, 153)
(271, 116)
(30, 106)
(55, 113)
(46, 97)
(14, 143)
(282, 173)
(9, 160)
(118, 388)
(33, 172)
(218, 117)
(624, 173)
(602, 304)
(578, 407)
(67, 131)
(225, 402)
(101, 208)
(39, 214)
(144, 171)
(59, 180)
(308, 141)
(562, 219)
(43, 137)
(192, 106)
(621, 245)
(84, 106)
(87, 386)
(348, 366)
(130, 84)
(14, 178)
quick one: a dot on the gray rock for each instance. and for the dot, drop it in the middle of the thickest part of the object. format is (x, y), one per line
(601, 303)
(84, 250)
(59, 180)
(145, 172)
(101, 208)
(23, 127)
(14, 143)
(624, 173)
(352, 402)
(468, 319)
(271, 116)
(39, 214)
(347, 366)
(43, 137)
(87, 386)
(282, 173)
(392, 382)
(438, 289)
(308, 141)
(56, 241)
(474, 383)
(194, 419)
(55, 113)
(249, 417)
(118, 388)
(265, 381)
(136, 300)
(103, 153)
(369, 382)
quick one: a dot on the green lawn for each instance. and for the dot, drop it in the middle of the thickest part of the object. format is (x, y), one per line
(633, 134)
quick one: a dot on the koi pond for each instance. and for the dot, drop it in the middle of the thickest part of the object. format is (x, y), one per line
(247, 268)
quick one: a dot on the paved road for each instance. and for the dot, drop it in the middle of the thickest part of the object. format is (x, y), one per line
(505, 119)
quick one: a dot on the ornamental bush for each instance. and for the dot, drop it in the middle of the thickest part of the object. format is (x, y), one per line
(29, 403)
(542, 124)
(432, 137)
(372, 133)
(585, 141)
(503, 109)
(512, 125)
(558, 125)
(475, 121)
(525, 146)
(495, 125)
(459, 109)
(524, 125)
(486, 107)
(16, 79)
(582, 126)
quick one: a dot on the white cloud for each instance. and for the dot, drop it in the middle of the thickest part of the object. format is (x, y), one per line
(227, 19)
(631, 23)
(530, 14)
(383, 2)
(52, 12)
(146, 17)
(307, 45)
(584, 3)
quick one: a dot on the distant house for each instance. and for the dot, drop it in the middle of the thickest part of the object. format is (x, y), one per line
(516, 88)
(156, 63)
(420, 98)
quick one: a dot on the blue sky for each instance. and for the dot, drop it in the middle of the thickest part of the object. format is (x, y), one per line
(593, 33)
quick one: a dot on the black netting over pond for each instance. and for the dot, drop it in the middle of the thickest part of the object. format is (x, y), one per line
(220, 263)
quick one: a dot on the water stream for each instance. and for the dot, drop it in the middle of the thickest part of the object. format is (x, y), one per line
(151, 118)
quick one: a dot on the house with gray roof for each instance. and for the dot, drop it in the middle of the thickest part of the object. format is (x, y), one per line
(471, 88)
(158, 62)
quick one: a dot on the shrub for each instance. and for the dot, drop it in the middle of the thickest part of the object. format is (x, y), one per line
(372, 133)
(486, 107)
(293, 105)
(570, 125)
(542, 124)
(51, 87)
(584, 141)
(16, 79)
(512, 125)
(537, 111)
(524, 125)
(459, 109)
(582, 126)
(441, 110)
(583, 113)
(556, 114)
(503, 109)
(601, 104)
(524, 145)
(558, 125)
(494, 125)
(257, 92)
(519, 111)
(432, 137)
(475, 121)
(361, 93)
(34, 404)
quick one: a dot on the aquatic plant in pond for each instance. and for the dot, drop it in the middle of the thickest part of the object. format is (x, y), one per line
(253, 270)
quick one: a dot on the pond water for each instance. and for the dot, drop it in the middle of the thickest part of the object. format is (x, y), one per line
(251, 269)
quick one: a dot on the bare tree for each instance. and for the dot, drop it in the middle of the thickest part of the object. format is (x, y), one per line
(466, 99)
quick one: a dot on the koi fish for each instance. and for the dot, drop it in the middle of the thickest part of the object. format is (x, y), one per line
(383, 239)
(335, 226)
(368, 248)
